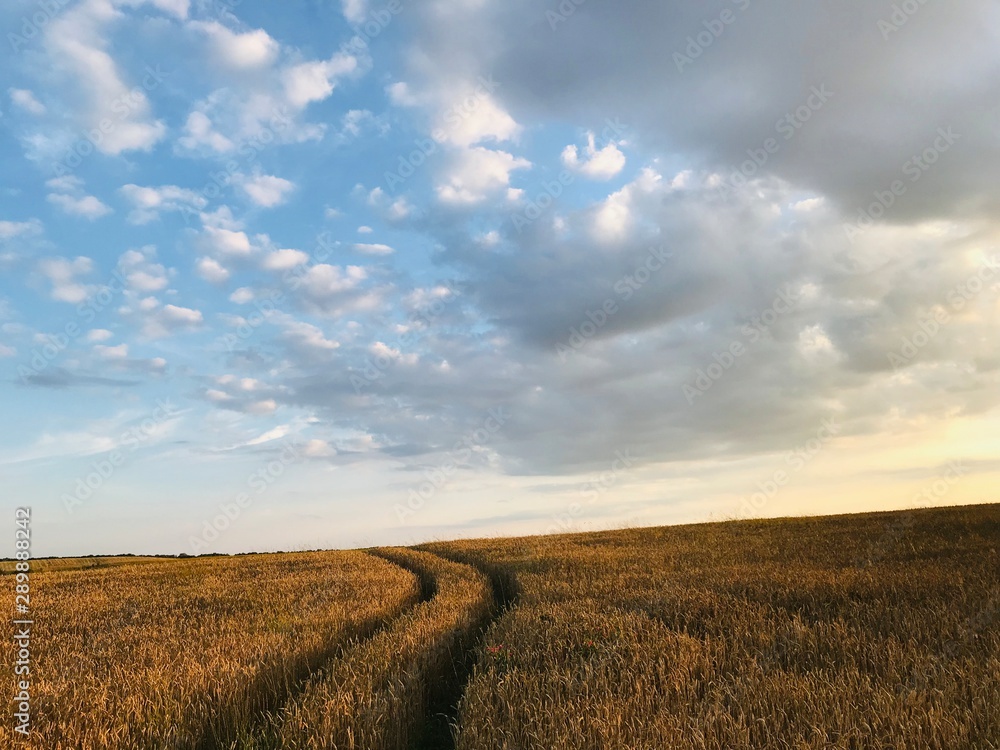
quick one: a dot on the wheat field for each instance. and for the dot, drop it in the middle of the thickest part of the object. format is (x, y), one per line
(867, 631)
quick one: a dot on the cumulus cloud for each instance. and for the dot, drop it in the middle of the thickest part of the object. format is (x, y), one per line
(11, 229)
(265, 190)
(476, 173)
(240, 51)
(149, 202)
(63, 276)
(282, 260)
(597, 164)
(87, 206)
(212, 271)
(142, 274)
(76, 41)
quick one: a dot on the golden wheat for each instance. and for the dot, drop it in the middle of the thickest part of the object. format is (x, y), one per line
(184, 653)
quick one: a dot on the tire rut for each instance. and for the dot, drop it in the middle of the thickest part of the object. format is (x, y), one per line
(441, 718)
(256, 735)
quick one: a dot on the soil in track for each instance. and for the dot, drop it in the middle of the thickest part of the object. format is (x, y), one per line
(442, 709)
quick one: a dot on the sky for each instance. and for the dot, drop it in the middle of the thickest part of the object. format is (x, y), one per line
(335, 273)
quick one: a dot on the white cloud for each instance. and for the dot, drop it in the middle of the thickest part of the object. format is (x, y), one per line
(305, 337)
(227, 242)
(7, 351)
(355, 11)
(364, 230)
(26, 100)
(354, 121)
(314, 81)
(282, 260)
(177, 8)
(246, 51)
(265, 190)
(112, 352)
(149, 202)
(77, 41)
(263, 407)
(598, 164)
(399, 94)
(99, 334)
(318, 449)
(211, 270)
(63, 273)
(478, 172)
(182, 316)
(200, 132)
(87, 206)
(142, 274)
(242, 296)
(473, 120)
(613, 218)
(323, 280)
(11, 229)
(373, 249)
(274, 434)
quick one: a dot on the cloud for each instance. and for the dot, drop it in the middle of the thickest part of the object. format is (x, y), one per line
(142, 274)
(150, 202)
(373, 249)
(211, 270)
(76, 41)
(226, 242)
(599, 164)
(265, 190)
(112, 352)
(86, 206)
(240, 51)
(160, 321)
(282, 260)
(242, 296)
(477, 173)
(11, 229)
(99, 334)
(63, 275)
(26, 100)
(314, 81)
(355, 11)
(178, 8)
(199, 132)
(304, 339)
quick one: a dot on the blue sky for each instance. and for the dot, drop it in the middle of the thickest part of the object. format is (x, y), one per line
(341, 273)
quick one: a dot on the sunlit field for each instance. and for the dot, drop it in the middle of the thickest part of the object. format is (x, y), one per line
(869, 631)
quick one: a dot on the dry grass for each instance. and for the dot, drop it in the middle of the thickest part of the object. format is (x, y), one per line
(871, 631)
(185, 653)
(377, 695)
